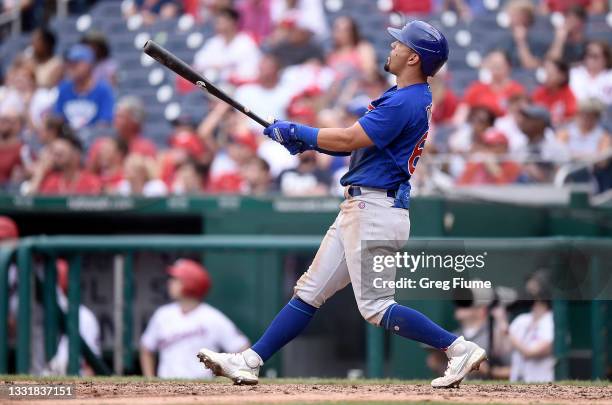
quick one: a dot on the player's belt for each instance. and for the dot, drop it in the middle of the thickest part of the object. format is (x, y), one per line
(355, 191)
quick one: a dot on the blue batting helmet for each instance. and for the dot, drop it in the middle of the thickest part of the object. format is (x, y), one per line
(429, 43)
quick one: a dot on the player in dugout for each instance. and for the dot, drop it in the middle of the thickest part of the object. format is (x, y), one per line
(385, 145)
(183, 326)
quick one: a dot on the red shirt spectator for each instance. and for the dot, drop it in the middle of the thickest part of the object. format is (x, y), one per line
(561, 102)
(480, 94)
(82, 182)
(10, 158)
(555, 94)
(562, 6)
(413, 6)
(444, 109)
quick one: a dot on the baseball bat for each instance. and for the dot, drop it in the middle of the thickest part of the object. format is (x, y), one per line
(178, 66)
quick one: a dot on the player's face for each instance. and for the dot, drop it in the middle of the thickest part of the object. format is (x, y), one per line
(400, 57)
(175, 286)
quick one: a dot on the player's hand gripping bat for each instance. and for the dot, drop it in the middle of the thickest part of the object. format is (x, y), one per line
(172, 62)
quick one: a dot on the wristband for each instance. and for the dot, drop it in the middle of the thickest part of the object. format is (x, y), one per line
(307, 134)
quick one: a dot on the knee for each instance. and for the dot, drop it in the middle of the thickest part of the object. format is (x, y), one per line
(374, 310)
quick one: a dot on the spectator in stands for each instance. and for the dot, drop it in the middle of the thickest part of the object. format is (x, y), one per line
(11, 127)
(308, 14)
(255, 18)
(585, 136)
(230, 54)
(180, 328)
(593, 78)
(307, 179)
(542, 151)
(351, 54)
(526, 45)
(411, 7)
(48, 67)
(108, 163)
(532, 336)
(19, 86)
(293, 43)
(82, 100)
(555, 94)
(226, 168)
(508, 124)
(189, 178)
(140, 178)
(151, 10)
(444, 100)
(257, 178)
(570, 40)
(480, 120)
(128, 122)
(562, 6)
(62, 173)
(488, 162)
(267, 96)
(105, 66)
(494, 88)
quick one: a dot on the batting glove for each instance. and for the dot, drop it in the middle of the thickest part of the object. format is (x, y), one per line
(287, 132)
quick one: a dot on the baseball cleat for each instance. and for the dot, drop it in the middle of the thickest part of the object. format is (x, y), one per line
(241, 368)
(463, 357)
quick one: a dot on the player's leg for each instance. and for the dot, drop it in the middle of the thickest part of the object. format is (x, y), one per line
(370, 219)
(327, 274)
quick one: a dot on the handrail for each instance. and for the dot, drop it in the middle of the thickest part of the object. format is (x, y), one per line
(573, 167)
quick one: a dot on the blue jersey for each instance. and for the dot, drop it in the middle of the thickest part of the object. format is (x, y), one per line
(397, 123)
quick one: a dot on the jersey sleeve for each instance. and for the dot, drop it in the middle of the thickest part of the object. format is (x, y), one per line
(230, 338)
(385, 122)
(150, 337)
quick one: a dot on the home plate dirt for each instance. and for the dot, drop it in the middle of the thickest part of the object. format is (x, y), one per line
(169, 393)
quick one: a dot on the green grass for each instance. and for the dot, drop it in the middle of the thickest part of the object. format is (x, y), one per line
(327, 381)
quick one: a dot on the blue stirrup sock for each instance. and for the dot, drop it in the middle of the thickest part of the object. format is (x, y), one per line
(412, 324)
(288, 323)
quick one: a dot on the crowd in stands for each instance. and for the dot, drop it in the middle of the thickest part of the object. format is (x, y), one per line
(283, 60)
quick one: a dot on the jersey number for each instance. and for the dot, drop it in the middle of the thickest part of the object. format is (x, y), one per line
(416, 153)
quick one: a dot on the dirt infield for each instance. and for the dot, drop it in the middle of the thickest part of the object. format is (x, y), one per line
(133, 391)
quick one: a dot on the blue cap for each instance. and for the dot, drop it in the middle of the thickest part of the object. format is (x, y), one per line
(429, 43)
(80, 53)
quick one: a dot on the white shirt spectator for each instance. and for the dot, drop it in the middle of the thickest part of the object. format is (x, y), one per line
(308, 14)
(516, 138)
(277, 157)
(265, 102)
(152, 188)
(177, 336)
(585, 86)
(531, 333)
(237, 59)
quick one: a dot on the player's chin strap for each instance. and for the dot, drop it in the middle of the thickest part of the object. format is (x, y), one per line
(402, 198)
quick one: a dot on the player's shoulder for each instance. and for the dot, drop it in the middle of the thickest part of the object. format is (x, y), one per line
(410, 96)
(165, 310)
(209, 311)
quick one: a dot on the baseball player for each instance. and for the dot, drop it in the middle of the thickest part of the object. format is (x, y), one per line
(385, 146)
(178, 329)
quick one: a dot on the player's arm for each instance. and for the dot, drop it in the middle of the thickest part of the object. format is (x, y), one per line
(332, 141)
(147, 362)
(343, 139)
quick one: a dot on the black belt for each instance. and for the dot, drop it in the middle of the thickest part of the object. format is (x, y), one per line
(355, 191)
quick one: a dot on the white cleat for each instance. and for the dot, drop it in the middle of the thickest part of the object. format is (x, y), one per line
(241, 368)
(463, 357)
